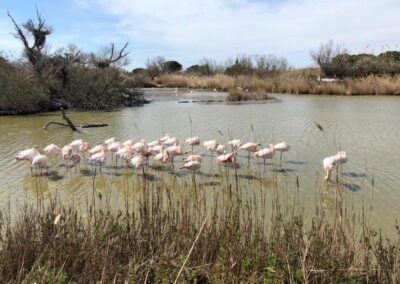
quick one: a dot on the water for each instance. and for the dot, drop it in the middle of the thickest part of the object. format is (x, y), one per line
(366, 127)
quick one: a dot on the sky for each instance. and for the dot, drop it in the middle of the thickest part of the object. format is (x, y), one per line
(189, 30)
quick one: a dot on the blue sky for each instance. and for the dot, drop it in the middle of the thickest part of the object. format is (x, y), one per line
(188, 30)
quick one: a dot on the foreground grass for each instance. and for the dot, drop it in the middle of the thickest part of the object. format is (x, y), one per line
(290, 82)
(177, 231)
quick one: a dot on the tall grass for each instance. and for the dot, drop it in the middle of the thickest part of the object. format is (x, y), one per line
(291, 82)
(176, 229)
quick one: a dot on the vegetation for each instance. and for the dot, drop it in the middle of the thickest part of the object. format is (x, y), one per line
(336, 62)
(252, 77)
(290, 82)
(171, 230)
(67, 77)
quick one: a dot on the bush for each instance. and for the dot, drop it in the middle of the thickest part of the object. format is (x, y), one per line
(20, 92)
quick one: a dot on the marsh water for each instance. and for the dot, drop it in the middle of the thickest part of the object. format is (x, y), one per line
(367, 128)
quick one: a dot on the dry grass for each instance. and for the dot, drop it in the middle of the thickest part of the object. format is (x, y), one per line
(246, 237)
(290, 82)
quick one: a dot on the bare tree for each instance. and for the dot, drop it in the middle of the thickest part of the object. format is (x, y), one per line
(38, 31)
(324, 55)
(155, 66)
(110, 56)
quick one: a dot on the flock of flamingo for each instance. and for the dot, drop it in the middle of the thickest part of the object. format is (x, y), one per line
(162, 150)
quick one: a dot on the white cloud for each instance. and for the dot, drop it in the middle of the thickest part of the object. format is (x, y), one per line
(191, 29)
(187, 30)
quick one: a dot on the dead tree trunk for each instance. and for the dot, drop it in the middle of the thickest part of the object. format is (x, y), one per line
(70, 123)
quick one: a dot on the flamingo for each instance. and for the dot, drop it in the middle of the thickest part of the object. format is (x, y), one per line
(125, 153)
(76, 145)
(140, 147)
(210, 145)
(137, 161)
(110, 141)
(333, 161)
(79, 146)
(52, 149)
(227, 158)
(156, 149)
(75, 158)
(170, 153)
(113, 148)
(235, 143)
(97, 149)
(66, 152)
(99, 158)
(220, 149)
(153, 143)
(250, 147)
(193, 141)
(282, 147)
(27, 155)
(128, 143)
(39, 162)
(266, 153)
(165, 137)
(173, 151)
(160, 156)
(173, 141)
(192, 166)
(193, 157)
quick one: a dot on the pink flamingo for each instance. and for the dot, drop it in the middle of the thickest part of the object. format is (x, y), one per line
(125, 154)
(52, 149)
(333, 161)
(97, 149)
(99, 158)
(227, 158)
(27, 155)
(173, 141)
(193, 157)
(75, 158)
(192, 141)
(66, 153)
(110, 141)
(128, 143)
(113, 148)
(140, 147)
(266, 153)
(39, 162)
(282, 147)
(235, 143)
(221, 149)
(137, 162)
(250, 147)
(153, 143)
(192, 166)
(165, 137)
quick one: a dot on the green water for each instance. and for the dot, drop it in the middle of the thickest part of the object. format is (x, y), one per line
(367, 128)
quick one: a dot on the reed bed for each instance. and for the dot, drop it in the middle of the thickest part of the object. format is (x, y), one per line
(290, 82)
(220, 229)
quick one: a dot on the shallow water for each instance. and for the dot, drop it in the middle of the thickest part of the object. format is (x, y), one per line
(366, 127)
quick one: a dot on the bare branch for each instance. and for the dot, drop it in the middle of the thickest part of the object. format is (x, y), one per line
(20, 35)
(122, 53)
